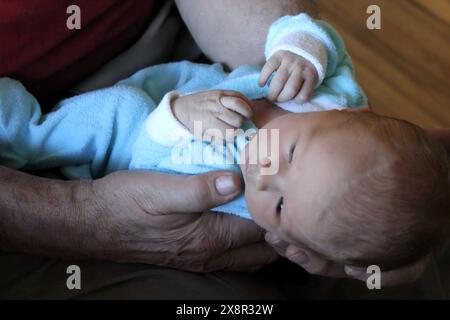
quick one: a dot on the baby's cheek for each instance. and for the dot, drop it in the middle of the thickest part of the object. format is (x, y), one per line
(259, 208)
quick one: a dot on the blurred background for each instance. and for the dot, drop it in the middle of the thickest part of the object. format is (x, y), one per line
(404, 67)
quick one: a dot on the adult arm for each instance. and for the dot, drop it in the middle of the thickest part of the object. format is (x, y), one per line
(130, 217)
(234, 32)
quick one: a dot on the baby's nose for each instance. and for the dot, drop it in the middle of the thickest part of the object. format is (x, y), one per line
(260, 182)
(263, 181)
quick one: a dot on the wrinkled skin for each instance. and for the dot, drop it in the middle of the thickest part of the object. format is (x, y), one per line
(141, 224)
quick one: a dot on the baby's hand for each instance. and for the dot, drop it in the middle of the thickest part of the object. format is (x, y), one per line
(218, 109)
(295, 77)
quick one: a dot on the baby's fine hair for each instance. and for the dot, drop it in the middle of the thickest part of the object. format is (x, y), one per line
(398, 210)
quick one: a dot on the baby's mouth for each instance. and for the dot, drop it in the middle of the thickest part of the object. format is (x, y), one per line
(248, 169)
(249, 173)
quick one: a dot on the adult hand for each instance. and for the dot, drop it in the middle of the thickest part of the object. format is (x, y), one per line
(315, 264)
(154, 218)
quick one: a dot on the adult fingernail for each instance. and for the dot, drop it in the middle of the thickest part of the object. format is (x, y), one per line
(275, 242)
(299, 258)
(225, 101)
(225, 185)
(270, 238)
(354, 272)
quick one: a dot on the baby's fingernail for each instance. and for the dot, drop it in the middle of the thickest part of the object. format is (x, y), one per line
(226, 185)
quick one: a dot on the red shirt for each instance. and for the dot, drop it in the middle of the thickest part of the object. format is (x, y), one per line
(38, 49)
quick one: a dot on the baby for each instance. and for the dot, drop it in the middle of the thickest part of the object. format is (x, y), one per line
(355, 187)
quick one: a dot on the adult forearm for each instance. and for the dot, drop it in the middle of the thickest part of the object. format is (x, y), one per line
(45, 217)
(131, 216)
(234, 32)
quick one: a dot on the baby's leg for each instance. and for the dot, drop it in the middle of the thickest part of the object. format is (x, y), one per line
(95, 129)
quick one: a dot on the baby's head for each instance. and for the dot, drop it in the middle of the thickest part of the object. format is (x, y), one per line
(357, 188)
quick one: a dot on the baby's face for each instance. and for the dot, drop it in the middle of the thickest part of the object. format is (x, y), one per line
(319, 153)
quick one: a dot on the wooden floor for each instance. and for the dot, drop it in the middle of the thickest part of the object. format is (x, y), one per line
(405, 66)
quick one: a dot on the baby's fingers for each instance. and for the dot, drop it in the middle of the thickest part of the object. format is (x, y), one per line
(308, 88)
(219, 130)
(292, 87)
(231, 118)
(277, 84)
(238, 105)
(270, 67)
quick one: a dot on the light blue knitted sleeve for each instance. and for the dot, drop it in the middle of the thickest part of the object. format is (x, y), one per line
(93, 134)
(88, 136)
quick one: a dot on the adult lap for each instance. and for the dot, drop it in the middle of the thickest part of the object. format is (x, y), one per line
(31, 277)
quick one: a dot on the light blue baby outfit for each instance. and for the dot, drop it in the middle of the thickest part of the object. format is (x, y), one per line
(117, 128)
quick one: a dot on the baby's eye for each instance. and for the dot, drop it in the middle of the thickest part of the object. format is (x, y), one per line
(291, 153)
(280, 206)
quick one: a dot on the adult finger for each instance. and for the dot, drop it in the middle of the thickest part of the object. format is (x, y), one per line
(407, 274)
(248, 258)
(167, 194)
(305, 258)
(314, 263)
(275, 242)
(234, 231)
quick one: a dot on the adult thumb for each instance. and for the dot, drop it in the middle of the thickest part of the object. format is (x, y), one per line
(197, 193)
